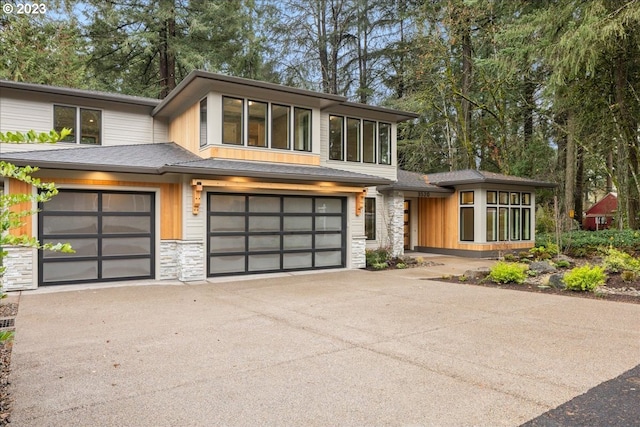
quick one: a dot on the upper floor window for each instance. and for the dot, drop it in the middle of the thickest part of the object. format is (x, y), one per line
(203, 122)
(85, 124)
(267, 125)
(359, 140)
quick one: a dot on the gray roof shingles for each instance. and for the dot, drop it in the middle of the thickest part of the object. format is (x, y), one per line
(413, 181)
(170, 157)
(469, 176)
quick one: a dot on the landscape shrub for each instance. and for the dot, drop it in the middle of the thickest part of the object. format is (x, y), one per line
(629, 276)
(582, 243)
(508, 272)
(376, 256)
(618, 261)
(562, 263)
(585, 278)
(379, 265)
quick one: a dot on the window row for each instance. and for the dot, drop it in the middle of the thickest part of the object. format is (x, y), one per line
(262, 124)
(85, 124)
(359, 140)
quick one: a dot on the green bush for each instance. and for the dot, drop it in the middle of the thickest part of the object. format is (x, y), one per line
(546, 251)
(629, 276)
(508, 272)
(379, 265)
(562, 263)
(617, 261)
(585, 278)
(376, 256)
(401, 265)
(584, 243)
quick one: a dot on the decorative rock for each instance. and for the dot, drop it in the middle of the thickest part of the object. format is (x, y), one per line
(555, 281)
(542, 267)
(479, 273)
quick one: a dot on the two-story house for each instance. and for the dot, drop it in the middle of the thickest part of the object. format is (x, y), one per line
(230, 176)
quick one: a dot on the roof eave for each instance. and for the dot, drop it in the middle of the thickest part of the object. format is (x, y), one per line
(536, 184)
(84, 167)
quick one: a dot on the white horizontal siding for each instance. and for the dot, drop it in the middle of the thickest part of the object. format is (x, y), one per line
(126, 128)
(194, 226)
(160, 131)
(24, 115)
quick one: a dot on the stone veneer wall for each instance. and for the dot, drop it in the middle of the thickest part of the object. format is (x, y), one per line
(19, 274)
(191, 261)
(395, 215)
(358, 248)
(168, 260)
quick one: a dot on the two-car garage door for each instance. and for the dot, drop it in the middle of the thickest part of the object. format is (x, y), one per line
(112, 233)
(267, 233)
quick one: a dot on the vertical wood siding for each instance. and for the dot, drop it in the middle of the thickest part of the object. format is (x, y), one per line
(19, 187)
(183, 130)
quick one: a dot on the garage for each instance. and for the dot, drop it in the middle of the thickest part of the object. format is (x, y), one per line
(269, 233)
(112, 233)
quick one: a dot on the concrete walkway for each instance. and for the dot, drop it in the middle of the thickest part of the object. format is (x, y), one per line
(337, 348)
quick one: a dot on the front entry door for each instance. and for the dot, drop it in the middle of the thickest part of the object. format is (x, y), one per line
(407, 228)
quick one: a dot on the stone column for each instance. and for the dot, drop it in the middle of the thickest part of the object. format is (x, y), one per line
(191, 265)
(358, 248)
(20, 265)
(395, 218)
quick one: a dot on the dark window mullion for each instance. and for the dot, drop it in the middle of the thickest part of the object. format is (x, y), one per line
(100, 194)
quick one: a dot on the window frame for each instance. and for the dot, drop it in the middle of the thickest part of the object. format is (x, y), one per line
(203, 122)
(306, 145)
(241, 142)
(76, 131)
(370, 202)
(273, 105)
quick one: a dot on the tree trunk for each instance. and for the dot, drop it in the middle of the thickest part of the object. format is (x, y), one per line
(579, 193)
(570, 172)
(167, 55)
(466, 92)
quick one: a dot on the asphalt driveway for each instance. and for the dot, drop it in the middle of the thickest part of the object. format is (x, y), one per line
(338, 348)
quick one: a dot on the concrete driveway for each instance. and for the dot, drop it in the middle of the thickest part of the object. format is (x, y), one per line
(337, 348)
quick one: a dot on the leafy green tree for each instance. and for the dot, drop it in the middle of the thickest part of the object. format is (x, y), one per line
(11, 216)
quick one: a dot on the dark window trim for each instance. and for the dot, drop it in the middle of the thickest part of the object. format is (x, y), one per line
(358, 142)
(369, 233)
(310, 148)
(242, 122)
(203, 121)
(390, 148)
(77, 125)
(289, 125)
(463, 208)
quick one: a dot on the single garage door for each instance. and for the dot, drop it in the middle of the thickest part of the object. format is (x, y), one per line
(268, 233)
(111, 232)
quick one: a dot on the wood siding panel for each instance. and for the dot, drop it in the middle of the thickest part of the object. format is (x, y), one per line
(19, 187)
(272, 156)
(170, 201)
(183, 130)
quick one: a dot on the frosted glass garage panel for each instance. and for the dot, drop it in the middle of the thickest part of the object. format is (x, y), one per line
(226, 203)
(126, 268)
(328, 259)
(69, 201)
(126, 246)
(126, 224)
(328, 205)
(82, 247)
(264, 223)
(226, 223)
(264, 243)
(328, 241)
(298, 223)
(328, 223)
(52, 224)
(227, 264)
(264, 262)
(227, 244)
(298, 205)
(298, 260)
(126, 202)
(298, 241)
(65, 271)
(264, 204)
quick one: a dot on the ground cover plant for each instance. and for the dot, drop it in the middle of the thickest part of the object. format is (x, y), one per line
(585, 278)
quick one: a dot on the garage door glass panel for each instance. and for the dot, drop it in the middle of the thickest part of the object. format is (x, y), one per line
(70, 225)
(264, 262)
(126, 268)
(226, 223)
(264, 243)
(227, 244)
(328, 241)
(226, 203)
(298, 241)
(326, 206)
(67, 271)
(264, 204)
(126, 224)
(77, 202)
(328, 223)
(298, 205)
(126, 246)
(227, 264)
(82, 247)
(327, 259)
(126, 203)
(298, 260)
(298, 223)
(264, 223)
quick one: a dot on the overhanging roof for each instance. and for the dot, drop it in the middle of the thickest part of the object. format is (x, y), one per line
(169, 157)
(80, 93)
(412, 181)
(470, 176)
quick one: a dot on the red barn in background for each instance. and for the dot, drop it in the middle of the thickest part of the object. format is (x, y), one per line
(600, 215)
